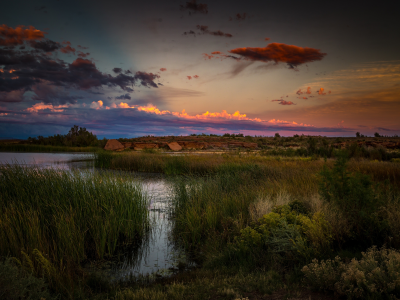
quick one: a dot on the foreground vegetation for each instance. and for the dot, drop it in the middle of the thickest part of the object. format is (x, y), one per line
(52, 221)
(294, 220)
(258, 227)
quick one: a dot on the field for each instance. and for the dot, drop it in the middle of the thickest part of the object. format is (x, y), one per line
(259, 226)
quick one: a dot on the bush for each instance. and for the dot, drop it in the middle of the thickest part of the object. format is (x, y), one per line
(284, 234)
(376, 275)
(17, 283)
(353, 195)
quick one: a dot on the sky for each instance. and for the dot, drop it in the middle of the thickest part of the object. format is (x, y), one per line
(135, 68)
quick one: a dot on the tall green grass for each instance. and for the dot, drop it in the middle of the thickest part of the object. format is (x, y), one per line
(67, 218)
(211, 211)
(283, 167)
(44, 148)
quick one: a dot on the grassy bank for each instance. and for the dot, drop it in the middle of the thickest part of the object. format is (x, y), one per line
(298, 217)
(44, 148)
(260, 227)
(52, 221)
(260, 166)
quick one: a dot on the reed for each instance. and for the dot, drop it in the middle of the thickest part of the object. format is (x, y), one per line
(66, 218)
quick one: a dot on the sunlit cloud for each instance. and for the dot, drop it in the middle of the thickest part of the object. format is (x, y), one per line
(42, 106)
(97, 105)
(211, 116)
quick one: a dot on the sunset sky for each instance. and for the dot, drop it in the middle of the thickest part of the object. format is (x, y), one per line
(133, 68)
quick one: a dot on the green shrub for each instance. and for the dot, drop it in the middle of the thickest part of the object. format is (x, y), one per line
(102, 159)
(354, 196)
(17, 283)
(375, 276)
(285, 232)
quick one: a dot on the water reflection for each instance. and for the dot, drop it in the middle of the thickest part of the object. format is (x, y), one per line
(65, 161)
(156, 253)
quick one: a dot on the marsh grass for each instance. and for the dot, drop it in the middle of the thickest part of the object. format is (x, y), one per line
(44, 148)
(53, 220)
(208, 284)
(271, 167)
(210, 211)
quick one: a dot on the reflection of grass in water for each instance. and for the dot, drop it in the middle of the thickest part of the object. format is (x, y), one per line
(69, 217)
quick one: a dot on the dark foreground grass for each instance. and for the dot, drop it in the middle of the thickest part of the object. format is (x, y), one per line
(281, 220)
(44, 148)
(53, 220)
(253, 222)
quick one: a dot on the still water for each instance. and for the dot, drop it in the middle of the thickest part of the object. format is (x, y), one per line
(66, 161)
(157, 253)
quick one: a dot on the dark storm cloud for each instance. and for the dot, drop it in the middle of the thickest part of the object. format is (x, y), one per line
(117, 70)
(190, 32)
(238, 17)
(384, 129)
(123, 97)
(278, 52)
(53, 94)
(283, 102)
(30, 67)
(82, 54)
(146, 79)
(45, 46)
(204, 29)
(194, 7)
(67, 48)
(14, 96)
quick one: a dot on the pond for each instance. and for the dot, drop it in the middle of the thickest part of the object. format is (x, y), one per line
(157, 253)
(66, 161)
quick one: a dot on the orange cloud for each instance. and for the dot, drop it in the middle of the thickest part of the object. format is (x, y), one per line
(216, 52)
(278, 52)
(267, 39)
(308, 90)
(97, 105)
(163, 69)
(123, 105)
(189, 77)
(321, 91)
(67, 49)
(196, 76)
(41, 106)
(206, 56)
(81, 62)
(11, 37)
(152, 109)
